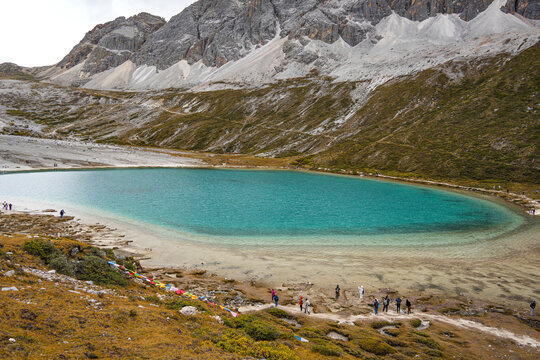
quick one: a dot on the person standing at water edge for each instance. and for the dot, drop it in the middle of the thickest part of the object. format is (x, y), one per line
(306, 306)
(376, 306)
(337, 291)
(273, 294)
(398, 305)
(533, 305)
(62, 212)
(361, 291)
(301, 303)
(276, 299)
(408, 305)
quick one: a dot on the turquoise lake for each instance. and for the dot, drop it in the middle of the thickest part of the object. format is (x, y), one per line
(269, 207)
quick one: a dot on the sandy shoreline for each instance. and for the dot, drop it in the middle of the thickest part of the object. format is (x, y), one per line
(504, 270)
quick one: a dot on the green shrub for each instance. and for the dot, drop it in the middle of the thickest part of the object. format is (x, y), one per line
(259, 330)
(395, 342)
(97, 269)
(239, 321)
(153, 299)
(279, 313)
(415, 323)
(235, 342)
(375, 346)
(434, 353)
(380, 324)
(254, 327)
(61, 264)
(392, 332)
(326, 350)
(40, 248)
(429, 342)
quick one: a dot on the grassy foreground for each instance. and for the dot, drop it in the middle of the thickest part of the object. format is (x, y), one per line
(52, 316)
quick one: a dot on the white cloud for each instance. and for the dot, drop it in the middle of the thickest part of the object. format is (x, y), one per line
(38, 32)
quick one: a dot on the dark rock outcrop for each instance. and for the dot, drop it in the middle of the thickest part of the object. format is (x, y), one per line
(110, 44)
(526, 8)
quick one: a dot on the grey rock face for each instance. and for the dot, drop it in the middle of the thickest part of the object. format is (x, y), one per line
(218, 31)
(529, 9)
(110, 44)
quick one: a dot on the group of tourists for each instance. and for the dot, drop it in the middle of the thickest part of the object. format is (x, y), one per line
(305, 304)
(386, 303)
(7, 206)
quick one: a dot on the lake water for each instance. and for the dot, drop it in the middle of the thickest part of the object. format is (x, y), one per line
(242, 207)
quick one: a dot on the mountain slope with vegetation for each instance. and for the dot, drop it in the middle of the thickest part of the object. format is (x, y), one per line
(461, 120)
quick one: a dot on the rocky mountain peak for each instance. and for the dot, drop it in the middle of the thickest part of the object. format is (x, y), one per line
(279, 39)
(110, 44)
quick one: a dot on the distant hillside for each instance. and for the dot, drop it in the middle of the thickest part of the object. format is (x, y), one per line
(461, 120)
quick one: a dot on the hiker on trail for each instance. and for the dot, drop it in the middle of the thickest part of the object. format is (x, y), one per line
(408, 305)
(361, 291)
(398, 305)
(62, 212)
(385, 303)
(533, 305)
(276, 299)
(306, 306)
(337, 291)
(301, 303)
(376, 306)
(273, 294)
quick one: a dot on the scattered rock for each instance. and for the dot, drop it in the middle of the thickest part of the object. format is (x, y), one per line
(218, 318)
(12, 340)
(12, 288)
(74, 251)
(9, 273)
(337, 336)
(292, 322)
(425, 324)
(189, 310)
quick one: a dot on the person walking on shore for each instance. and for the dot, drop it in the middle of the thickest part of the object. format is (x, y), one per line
(337, 291)
(361, 291)
(376, 306)
(386, 302)
(301, 303)
(306, 306)
(398, 305)
(273, 294)
(62, 212)
(276, 299)
(533, 305)
(408, 305)
(11, 205)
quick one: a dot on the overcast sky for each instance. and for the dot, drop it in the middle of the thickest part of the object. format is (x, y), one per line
(42, 32)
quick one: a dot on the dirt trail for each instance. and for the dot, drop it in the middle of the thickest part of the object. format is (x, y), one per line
(523, 340)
